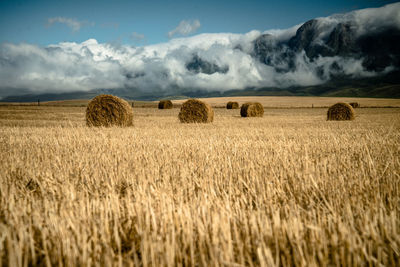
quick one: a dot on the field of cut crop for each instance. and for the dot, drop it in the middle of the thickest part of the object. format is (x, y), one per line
(287, 189)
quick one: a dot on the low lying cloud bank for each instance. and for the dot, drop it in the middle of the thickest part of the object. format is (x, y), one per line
(358, 44)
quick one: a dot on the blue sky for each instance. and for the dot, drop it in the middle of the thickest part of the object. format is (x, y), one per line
(149, 22)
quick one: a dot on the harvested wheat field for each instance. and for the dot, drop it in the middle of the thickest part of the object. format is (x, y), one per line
(286, 189)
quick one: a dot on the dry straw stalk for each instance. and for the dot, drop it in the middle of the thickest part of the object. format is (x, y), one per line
(196, 111)
(108, 110)
(287, 190)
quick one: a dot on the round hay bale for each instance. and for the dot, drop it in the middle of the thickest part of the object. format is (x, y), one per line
(232, 105)
(165, 104)
(194, 110)
(252, 109)
(108, 110)
(355, 104)
(340, 112)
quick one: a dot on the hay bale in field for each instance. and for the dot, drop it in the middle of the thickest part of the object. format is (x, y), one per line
(252, 109)
(165, 104)
(108, 110)
(340, 112)
(355, 104)
(232, 105)
(194, 110)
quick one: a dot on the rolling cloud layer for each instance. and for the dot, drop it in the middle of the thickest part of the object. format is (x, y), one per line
(307, 54)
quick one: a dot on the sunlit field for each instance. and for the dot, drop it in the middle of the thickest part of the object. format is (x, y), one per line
(287, 189)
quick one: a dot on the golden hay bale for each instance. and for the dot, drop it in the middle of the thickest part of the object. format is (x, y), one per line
(252, 109)
(355, 104)
(194, 110)
(108, 110)
(165, 104)
(232, 105)
(340, 112)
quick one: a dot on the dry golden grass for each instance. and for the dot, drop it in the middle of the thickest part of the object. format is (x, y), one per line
(287, 189)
